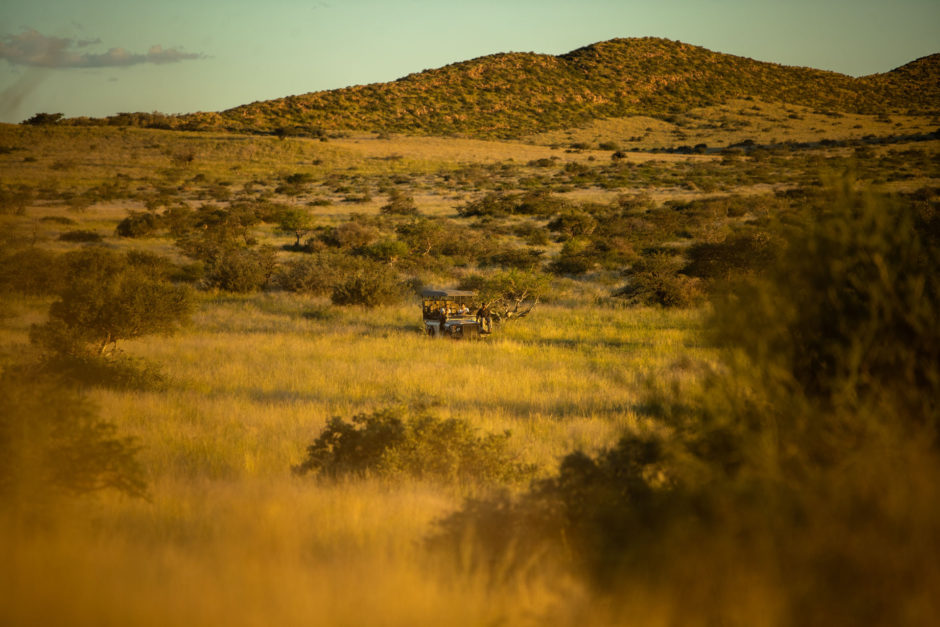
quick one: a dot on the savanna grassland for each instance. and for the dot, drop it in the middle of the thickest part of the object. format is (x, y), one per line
(219, 405)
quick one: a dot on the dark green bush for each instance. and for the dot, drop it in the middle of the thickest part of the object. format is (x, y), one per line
(369, 285)
(521, 258)
(115, 370)
(400, 204)
(80, 235)
(316, 274)
(32, 271)
(576, 257)
(241, 270)
(493, 204)
(656, 280)
(105, 299)
(749, 252)
(573, 223)
(138, 224)
(390, 443)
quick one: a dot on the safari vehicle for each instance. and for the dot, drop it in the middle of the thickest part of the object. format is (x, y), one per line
(453, 313)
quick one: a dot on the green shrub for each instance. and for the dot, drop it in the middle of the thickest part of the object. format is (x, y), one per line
(400, 204)
(656, 280)
(576, 257)
(106, 299)
(386, 250)
(573, 223)
(369, 285)
(80, 235)
(138, 224)
(749, 252)
(32, 271)
(241, 270)
(315, 274)
(521, 258)
(389, 443)
(115, 370)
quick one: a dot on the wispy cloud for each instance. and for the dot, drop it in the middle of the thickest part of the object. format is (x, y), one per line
(33, 49)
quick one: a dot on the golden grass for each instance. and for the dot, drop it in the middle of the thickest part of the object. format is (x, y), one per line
(734, 122)
(231, 536)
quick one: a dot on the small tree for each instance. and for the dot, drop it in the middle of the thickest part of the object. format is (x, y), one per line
(400, 204)
(108, 298)
(296, 222)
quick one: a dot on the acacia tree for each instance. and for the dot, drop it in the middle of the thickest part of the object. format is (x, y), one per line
(109, 298)
(296, 222)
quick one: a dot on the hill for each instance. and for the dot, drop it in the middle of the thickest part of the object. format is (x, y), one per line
(511, 95)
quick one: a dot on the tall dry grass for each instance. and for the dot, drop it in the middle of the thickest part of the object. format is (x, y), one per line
(230, 536)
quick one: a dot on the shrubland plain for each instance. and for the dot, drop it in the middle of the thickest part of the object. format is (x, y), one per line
(219, 404)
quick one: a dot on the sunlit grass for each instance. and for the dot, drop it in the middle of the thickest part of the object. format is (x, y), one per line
(230, 535)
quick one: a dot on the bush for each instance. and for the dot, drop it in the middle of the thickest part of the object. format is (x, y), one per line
(51, 441)
(138, 224)
(315, 274)
(750, 252)
(655, 280)
(369, 285)
(106, 299)
(241, 270)
(400, 204)
(521, 258)
(573, 223)
(115, 371)
(576, 257)
(80, 235)
(388, 443)
(31, 271)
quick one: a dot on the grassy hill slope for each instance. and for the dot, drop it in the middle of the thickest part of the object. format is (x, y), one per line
(518, 94)
(508, 95)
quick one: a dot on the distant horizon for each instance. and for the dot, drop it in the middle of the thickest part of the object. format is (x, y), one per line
(97, 60)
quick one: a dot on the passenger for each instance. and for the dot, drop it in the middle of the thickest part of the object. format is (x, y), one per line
(484, 319)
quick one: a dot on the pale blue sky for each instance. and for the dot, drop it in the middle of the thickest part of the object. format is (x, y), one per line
(100, 57)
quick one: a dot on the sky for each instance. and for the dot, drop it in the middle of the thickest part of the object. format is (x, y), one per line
(101, 57)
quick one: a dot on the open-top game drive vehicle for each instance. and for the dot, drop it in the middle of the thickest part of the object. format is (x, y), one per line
(456, 314)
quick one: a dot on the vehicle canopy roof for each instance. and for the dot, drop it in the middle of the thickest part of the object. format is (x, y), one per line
(440, 294)
(453, 296)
